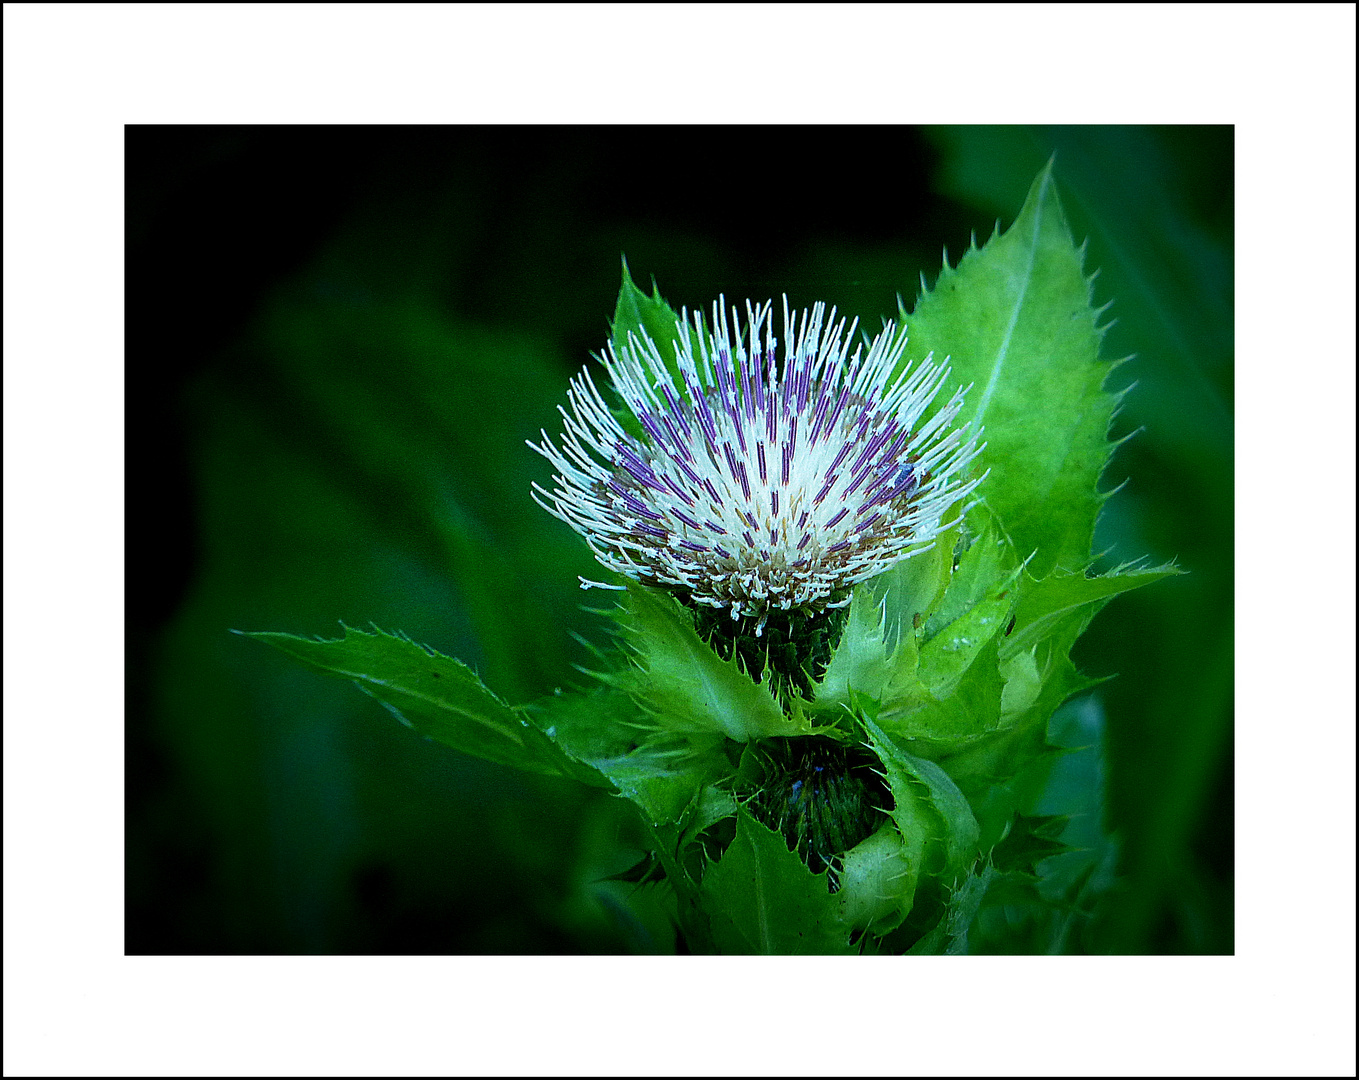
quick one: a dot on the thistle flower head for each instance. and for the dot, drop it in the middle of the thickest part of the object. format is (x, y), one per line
(761, 482)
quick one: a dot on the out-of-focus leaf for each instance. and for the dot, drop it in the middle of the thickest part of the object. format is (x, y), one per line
(949, 935)
(1030, 841)
(1016, 321)
(762, 899)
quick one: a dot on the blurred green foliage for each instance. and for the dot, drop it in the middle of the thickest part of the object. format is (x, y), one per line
(351, 413)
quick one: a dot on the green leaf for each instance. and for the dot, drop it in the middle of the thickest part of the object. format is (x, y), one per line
(602, 729)
(949, 935)
(967, 710)
(877, 881)
(647, 317)
(709, 806)
(913, 589)
(958, 696)
(684, 684)
(663, 784)
(877, 654)
(438, 696)
(1016, 321)
(1022, 680)
(1045, 603)
(981, 567)
(933, 816)
(948, 656)
(762, 899)
(1030, 841)
(862, 662)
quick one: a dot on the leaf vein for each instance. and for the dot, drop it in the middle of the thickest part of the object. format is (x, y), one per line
(985, 402)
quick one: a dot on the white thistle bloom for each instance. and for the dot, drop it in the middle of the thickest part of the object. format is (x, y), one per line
(760, 486)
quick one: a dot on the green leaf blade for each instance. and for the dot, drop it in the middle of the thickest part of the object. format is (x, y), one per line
(762, 899)
(686, 686)
(438, 696)
(1016, 320)
(647, 317)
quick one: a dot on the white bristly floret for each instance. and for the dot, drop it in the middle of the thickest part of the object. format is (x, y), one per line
(760, 485)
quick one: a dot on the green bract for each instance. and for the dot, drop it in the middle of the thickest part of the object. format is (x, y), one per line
(864, 779)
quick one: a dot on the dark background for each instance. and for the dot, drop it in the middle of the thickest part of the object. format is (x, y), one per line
(338, 340)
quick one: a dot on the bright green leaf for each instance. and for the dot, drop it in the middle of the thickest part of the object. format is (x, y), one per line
(1044, 603)
(877, 881)
(929, 809)
(647, 317)
(602, 729)
(980, 571)
(685, 685)
(1022, 682)
(1015, 319)
(861, 662)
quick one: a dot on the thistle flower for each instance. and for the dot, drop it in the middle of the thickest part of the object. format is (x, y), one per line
(758, 485)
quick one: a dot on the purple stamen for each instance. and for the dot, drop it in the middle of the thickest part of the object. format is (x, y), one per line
(731, 461)
(839, 460)
(836, 520)
(705, 417)
(693, 476)
(639, 470)
(675, 410)
(633, 503)
(749, 398)
(854, 485)
(680, 493)
(724, 373)
(839, 408)
(648, 422)
(874, 444)
(675, 440)
(745, 483)
(819, 413)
